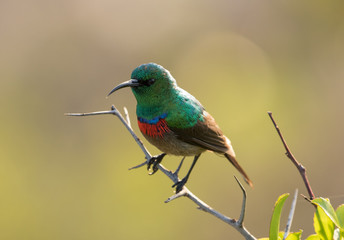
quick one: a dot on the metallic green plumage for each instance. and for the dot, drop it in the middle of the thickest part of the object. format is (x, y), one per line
(164, 96)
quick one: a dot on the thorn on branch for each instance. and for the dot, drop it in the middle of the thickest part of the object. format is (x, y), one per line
(243, 208)
(138, 166)
(182, 193)
(126, 114)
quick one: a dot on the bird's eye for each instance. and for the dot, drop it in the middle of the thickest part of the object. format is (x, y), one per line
(149, 82)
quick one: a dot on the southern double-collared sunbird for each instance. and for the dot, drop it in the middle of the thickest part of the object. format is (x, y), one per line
(175, 121)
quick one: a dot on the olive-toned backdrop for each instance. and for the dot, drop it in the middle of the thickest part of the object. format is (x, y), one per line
(67, 178)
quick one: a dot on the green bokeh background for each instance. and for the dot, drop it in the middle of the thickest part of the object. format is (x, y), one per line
(67, 178)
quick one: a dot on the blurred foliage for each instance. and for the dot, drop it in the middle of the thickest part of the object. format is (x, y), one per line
(328, 223)
(66, 178)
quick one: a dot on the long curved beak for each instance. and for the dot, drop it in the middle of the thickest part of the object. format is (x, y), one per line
(130, 83)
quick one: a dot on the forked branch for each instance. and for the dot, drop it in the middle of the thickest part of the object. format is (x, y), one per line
(237, 224)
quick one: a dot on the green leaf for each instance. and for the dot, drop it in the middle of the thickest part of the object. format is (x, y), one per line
(313, 237)
(323, 225)
(276, 215)
(340, 216)
(328, 209)
(294, 236)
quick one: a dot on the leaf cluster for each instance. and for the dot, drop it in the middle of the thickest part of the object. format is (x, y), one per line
(328, 223)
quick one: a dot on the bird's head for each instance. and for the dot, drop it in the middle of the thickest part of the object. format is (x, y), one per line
(149, 82)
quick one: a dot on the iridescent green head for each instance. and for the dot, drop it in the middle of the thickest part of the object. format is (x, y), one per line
(150, 83)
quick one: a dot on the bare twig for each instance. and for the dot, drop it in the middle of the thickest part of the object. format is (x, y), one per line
(298, 165)
(238, 225)
(115, 112)
(291, 215)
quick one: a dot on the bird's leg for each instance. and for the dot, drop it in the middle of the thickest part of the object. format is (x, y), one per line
(180, 184)
(155, 160)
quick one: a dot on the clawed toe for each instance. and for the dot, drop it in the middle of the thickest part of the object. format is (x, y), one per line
(180, 184)
(155, 161)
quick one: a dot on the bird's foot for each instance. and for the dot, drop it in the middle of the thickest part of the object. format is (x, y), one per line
(155, 161)
(180, 184)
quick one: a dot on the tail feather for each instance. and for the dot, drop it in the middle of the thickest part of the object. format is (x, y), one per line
(239, 168)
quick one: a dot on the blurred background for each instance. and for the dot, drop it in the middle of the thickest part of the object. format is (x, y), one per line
(67, 178)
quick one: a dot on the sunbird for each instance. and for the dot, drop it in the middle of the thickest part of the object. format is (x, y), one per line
(174, 121)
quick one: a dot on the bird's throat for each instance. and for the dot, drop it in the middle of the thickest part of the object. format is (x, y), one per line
(155, 127)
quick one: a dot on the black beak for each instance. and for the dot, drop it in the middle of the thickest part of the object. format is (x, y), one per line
(130, 83)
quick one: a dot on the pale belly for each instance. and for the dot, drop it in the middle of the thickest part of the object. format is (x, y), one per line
(171, 145)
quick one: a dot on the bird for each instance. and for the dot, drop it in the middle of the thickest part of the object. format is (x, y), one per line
(174, 121)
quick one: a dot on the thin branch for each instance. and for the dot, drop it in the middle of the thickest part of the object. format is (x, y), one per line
(115, 112)
(291, 215)
(238, 225)
(298, 165)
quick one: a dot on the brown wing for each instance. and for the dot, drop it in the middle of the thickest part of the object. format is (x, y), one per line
(208, 135)
(205, 134)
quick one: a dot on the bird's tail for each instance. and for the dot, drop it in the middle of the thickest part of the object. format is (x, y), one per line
(239, 168)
